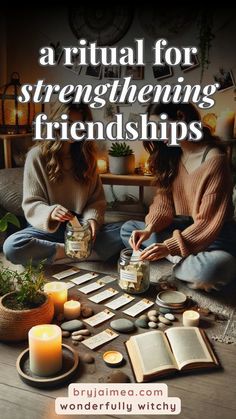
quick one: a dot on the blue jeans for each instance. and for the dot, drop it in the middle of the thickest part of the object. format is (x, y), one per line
(214, 265)
(36, 245)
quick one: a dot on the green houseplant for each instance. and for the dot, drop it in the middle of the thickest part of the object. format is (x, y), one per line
(121, 159)
(8, 218)
(23, 303)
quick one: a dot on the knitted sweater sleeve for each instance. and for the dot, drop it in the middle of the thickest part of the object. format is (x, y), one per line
(161, 211)
(96, 204)
(35, 202)
(212, 212)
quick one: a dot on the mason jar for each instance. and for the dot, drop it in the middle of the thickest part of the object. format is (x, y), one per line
(134, 274)
(78, 241)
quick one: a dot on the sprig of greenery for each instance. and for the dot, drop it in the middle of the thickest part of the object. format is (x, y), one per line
(29, 283)
(8, 280)
(120, 150)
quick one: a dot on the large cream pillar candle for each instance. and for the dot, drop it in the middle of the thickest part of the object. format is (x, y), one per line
(45, 349)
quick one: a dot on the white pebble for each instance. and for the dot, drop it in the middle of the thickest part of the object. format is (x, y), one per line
(83, 332)
(169, 316)
(78, 338)
(161, 325)
(153, 319)
(152, 325)
(152, 313)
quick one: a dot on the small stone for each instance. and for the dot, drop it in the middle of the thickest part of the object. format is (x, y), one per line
(153, 325)
(143, 317)
(122, 325)
(164, 310)
(141, 323)
(152, 313)
(117, 377)
(72, 325)
(161, 325)
(82, 332)
(162, 319)
(87, 358)
(65, 334)
(78, 338)
(153, 319)
(75, 343)
(169, 316)
(86, 312)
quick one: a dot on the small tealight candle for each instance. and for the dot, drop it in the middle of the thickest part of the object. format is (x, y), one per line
(147, 171)
(113, 358)
(191, 318)
(71, 310)
(45, 349)
(58, 293)
(102, 166)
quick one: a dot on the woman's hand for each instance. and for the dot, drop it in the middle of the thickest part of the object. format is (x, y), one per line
(94, 228)
(137, 237)
(155, 252)
(61, 214)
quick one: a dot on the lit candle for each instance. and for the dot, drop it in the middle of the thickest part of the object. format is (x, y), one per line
(191, 318)
(71, 309)
(58, 293)
(102, 166)
(45, 349)
(147, 171)
(225, 125)
(113, 358)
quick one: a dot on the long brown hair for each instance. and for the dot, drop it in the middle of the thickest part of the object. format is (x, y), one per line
(83, 153)
(164, 160)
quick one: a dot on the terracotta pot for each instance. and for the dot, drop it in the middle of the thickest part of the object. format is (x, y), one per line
(15, 324)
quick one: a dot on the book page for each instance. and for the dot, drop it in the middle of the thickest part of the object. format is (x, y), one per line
(188, 346)
(153, 352)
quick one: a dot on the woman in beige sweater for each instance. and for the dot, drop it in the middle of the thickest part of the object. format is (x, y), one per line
(190, 220)
(60, 181)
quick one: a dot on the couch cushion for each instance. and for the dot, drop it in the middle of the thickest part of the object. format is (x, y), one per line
(11, 190)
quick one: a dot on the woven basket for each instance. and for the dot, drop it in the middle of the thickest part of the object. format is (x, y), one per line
(15, 324)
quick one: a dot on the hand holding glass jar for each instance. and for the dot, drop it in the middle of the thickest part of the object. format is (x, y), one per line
(78, 240)
(134, 274)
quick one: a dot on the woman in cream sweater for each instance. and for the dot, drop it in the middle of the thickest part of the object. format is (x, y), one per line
(61, 180)
(190, 220)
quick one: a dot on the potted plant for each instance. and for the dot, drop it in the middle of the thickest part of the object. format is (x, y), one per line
(23, 303)
(121, 159)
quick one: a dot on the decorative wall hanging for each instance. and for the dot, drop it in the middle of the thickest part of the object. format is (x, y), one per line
(100, 24)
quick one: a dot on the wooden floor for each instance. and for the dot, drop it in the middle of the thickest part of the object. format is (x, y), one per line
(210, 395)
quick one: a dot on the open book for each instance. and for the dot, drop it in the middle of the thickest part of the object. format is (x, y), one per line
(155, 353)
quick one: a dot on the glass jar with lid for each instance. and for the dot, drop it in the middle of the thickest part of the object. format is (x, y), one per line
(78, 241)
(134, 274)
